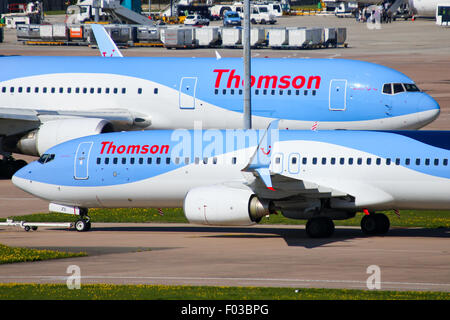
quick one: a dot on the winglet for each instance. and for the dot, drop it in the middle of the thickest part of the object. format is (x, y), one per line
(105, 44)
(260, 161)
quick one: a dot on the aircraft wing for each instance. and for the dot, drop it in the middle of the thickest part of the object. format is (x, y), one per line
(287, 187)
(14, 120)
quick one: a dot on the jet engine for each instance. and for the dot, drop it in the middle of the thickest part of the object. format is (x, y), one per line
(51, 133)
(225, 206)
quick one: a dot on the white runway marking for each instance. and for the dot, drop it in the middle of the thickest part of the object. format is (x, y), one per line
(391, 285)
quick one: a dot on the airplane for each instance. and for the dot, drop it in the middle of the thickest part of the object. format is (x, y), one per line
(48, 100)
(236, 177)
(425, 8)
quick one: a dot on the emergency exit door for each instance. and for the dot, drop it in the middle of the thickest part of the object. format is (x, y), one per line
(188, 86)
(81, 166)
(338, 93)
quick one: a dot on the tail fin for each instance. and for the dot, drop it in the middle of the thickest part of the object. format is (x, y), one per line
(105, 44)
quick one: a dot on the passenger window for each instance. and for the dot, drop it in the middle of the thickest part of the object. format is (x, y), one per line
(149, 160)
(216, 91)
(69, 90)
(167, 160)
(107, 90)
(44, 90)
(99, 160)
(314, 92)
(131, 160)
(234, 160)
(115, 90)
(141, 160)
(92, 90)
(205, 160)
(294, 160)
(427, 162)
(124, 90)
(387, 88)
(388, 161)
(61, 90)
(52, 90)
(398, 87)
(232, 91)
(350, 161)
(407, 161)
(342, 161)
(369, 161)
(397, 161)
(84, 90)
(115, 160)
(378, 161)
(418, 162)
(11, 89)
(124, 160)
(214, 160)
(445, 162)
(158, 160)
(359, 161)
(305, 160)
(106, 160)
(333, 161)
(99, 90)
(155, 91)
(3, 89)
(436, 162)
(140, 91)
(224, 91)
(324, 161)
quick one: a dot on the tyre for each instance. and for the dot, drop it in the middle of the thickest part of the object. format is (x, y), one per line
(369, 224)
(321, 227)
(383, 223)
(81, 225)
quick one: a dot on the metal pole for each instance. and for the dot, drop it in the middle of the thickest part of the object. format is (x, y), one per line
(247, 68)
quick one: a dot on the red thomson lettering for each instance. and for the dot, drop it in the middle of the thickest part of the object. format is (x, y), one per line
(234, 80)
(133, 149)
(164, 149)
(121, 149)
(295, 82)
(154, 149)
(285, 82)
(145, 149)
(267, 79)
(317, 82)
(232, 77)
(220, 72)
(104, 144)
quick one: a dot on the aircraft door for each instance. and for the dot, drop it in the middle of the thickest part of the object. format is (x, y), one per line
(338, 93)
(82, 161)
(294, 163)
(188, 86)
(278, 163)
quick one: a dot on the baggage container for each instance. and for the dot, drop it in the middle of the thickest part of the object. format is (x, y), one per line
(120, 34)
(177, 37)
(316, 36)
(60, 31)
(147, 33)
(298, 37)
(23, 31)
(76, 33)
(231, 37)
(206, 36)
(329, 37)
(341, 36)
(257, 37)
(278, 37)
(46, 32)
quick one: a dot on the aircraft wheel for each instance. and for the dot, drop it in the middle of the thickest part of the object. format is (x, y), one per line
(369, 224)
(82, 225)
(321, 227)
(383, 223)
(375, 224)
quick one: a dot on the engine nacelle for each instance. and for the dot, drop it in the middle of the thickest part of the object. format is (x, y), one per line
(224, 206)
(51, 133)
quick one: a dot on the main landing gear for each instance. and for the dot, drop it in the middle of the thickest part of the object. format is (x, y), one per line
(371, 224)
(84, 222)
(375, 223)
(9, 166)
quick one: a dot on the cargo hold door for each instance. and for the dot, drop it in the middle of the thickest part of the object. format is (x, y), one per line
(188, 86)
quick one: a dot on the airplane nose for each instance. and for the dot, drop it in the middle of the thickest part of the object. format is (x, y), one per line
(19, 178)
(429, 109)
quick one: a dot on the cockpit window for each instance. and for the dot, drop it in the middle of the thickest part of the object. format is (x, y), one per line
(46, 157)
(398, 87)
(410, 87)
(394, 88)
(387, 88)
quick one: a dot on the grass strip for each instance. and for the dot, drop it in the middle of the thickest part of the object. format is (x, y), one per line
(15, 254)
(408, 218)
(16, 291)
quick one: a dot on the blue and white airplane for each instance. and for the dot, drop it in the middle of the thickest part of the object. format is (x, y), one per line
(48, 100)
(235, 177)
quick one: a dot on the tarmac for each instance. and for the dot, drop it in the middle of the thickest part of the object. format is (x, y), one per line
(408, 259)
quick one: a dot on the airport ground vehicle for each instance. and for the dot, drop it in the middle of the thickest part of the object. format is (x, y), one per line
(231, 18)
(196, 20)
